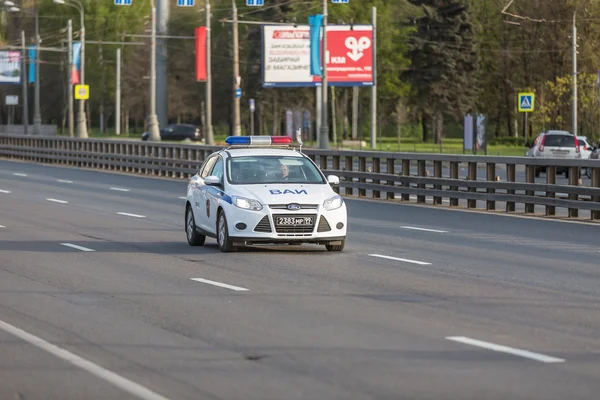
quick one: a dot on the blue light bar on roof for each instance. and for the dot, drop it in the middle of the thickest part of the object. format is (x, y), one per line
(258, 140)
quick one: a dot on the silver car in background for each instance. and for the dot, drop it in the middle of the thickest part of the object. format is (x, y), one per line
(555, 144)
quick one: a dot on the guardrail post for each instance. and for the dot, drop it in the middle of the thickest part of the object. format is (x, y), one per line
(437, 172)
(421, 198)
(573, 181)
(349, 167)
(376, 170)
(472, 203)
(530, 178)
(550, 180)
(391, 170)
(453, 175)
(362, 167)
(406, 172)
(336, 167)
(490, 205)
(596, 184)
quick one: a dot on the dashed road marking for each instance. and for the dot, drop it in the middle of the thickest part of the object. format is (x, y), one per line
(220, 284)
(114, 379)
(505, 349)
(63, 181)
(74, 246)
(19, 174)
(131, 215)
(5, 191)
(414, 228)
(119, 189)
(406, 260)
(58, 201)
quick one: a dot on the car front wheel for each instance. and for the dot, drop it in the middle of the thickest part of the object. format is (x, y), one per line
(225, 244)
(336, 247)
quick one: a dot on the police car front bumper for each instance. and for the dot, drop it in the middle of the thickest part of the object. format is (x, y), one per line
(318, 226)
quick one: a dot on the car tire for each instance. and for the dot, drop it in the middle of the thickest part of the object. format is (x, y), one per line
(225, 244)
(193, 237)
(336, 247)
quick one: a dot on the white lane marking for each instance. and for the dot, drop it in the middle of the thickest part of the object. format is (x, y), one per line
(119, 189)
(5, 191)
(400, 259)
(2, 226)
(58, 201)
(131, 215)
(505, 349)
(64, 181)
(116, 380)
(414, 228)
(223, 285)
(19, 174)
(77, 247)
(183, 198)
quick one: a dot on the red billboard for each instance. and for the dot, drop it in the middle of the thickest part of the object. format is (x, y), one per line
(349, 55)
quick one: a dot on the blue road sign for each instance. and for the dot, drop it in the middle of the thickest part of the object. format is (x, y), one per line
(255, 2)
(340, 1)
(238, 93)
(123, 2)
(526, 101)
(185, 3)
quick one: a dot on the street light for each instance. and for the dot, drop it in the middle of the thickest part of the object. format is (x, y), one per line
(81, 119)
(154, 133)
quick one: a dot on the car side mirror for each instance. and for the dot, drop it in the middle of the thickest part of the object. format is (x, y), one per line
(333, 180)
(212, 181)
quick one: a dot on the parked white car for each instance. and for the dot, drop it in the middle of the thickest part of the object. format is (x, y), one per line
(555, 144)
(262, 190)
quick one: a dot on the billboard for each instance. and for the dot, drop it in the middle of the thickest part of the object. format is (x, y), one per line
(286, 56)
(10, 67)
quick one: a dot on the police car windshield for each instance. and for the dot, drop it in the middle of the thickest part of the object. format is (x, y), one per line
(248, 170)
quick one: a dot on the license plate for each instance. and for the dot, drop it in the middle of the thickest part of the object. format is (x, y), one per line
(294, 221)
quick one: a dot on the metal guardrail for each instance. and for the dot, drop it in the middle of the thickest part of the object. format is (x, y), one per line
(378, 175)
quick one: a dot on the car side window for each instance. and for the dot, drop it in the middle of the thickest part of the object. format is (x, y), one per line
(207, 167)
(218, 169)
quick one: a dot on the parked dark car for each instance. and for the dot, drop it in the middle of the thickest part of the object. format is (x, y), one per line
(177, 132)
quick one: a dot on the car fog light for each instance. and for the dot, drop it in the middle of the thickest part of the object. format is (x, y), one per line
(339, 225)
(240, 226)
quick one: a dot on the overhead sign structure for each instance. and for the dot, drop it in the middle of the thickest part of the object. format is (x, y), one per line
(526, 102)
(123, 2)
(255, 2)
(286, 56)
(185, 3)
(82, 92)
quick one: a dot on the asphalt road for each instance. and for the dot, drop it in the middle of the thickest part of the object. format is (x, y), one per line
(416, 307)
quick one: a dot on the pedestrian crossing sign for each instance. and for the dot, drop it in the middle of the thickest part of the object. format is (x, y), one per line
(526, 102)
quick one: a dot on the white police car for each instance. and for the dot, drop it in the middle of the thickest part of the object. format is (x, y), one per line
(262, 190)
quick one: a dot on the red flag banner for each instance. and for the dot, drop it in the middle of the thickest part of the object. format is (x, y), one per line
(201, 53)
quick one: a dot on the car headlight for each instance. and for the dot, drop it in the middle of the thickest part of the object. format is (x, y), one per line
(333, 203)
(247, 204)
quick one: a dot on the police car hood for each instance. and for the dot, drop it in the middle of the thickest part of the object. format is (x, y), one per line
(287, 193)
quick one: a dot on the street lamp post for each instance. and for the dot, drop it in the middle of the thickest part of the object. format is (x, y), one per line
(81, 119)
(574, 100)
(152, 118)
(324, 140)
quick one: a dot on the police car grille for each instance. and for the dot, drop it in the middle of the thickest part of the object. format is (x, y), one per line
(264, 225)
(302, 206)
(295, 230)
(323, 225)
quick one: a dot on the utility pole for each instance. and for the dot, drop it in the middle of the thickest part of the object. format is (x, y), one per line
(24, 83)
(236, 73)
(209, 136)
(81, 119)
(37, 118)
(152, 119)
(324, 132)
(162, 95)
(574, 75)
(374, 87)
(70, 74)
(118, 94)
